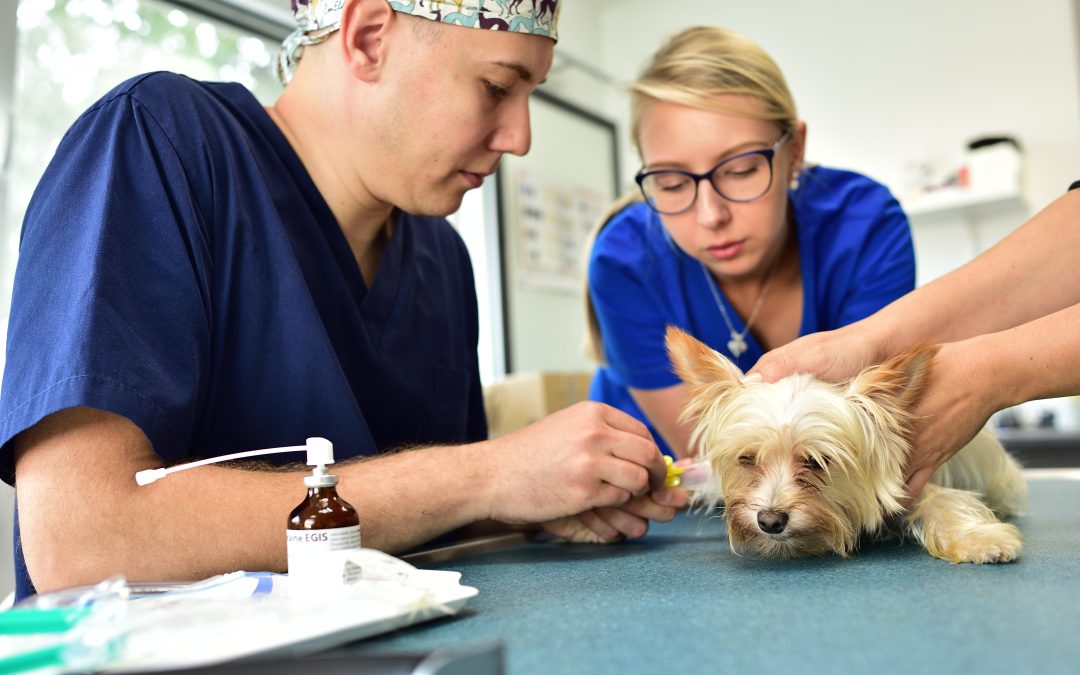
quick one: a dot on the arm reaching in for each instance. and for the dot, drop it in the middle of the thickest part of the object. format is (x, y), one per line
(1010, 321)
(1029, 274)
(663, 408)
(84, 518)
(972, 379)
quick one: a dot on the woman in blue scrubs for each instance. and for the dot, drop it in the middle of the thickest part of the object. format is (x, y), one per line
(732, 236)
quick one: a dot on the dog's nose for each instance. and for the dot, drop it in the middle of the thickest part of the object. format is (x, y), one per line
(772, 522)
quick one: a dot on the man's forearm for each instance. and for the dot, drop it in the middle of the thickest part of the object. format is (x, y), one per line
(84, 518)
(410, 497)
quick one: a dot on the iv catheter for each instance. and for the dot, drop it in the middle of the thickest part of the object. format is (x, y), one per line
(695, 476)
(320, 451)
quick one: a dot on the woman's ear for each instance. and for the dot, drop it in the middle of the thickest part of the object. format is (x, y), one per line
(797, 148)
(365, 25)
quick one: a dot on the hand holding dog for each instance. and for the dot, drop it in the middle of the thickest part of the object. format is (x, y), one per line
(586, 472)
(954, 407)
(832, 356)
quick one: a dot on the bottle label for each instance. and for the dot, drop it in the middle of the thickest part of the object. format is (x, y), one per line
(311, 558)
(331, 539)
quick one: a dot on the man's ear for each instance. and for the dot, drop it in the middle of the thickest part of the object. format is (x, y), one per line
(899, 382)
(364, 27)
(696, 364)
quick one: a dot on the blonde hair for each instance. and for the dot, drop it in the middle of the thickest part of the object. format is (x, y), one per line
(699, 65)
(695, 68)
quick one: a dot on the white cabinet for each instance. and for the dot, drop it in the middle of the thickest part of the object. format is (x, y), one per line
(953, 225)
(958, 199)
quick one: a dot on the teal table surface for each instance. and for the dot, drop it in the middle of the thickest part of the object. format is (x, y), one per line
(679, 600)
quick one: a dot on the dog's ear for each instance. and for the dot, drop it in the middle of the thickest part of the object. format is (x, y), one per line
(695, 363)
(899, 382)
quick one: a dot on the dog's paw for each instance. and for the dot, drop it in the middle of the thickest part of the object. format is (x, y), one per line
(988, 543)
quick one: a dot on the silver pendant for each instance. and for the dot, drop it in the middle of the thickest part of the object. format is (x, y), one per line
(736, 345)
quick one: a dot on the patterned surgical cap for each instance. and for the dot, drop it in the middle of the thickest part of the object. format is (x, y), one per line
(318, 19)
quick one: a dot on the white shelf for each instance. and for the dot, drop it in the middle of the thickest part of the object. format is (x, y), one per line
(961, 199)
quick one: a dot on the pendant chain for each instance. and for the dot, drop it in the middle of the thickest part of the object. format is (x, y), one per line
(737, 344)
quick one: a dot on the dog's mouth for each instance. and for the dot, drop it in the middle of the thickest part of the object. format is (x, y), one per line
(747, 536)
(791, 545)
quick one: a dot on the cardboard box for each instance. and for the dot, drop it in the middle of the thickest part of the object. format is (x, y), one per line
(523, 398)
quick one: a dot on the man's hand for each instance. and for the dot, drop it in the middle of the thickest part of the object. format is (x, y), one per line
(589, 465)
(610, 524)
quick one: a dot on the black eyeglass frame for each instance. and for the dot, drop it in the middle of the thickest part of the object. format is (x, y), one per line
(769, 153)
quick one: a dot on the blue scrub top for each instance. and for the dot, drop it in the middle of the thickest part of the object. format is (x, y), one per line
(854, 247)
(179, 267)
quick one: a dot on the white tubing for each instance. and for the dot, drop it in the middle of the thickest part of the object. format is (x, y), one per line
(150, 475)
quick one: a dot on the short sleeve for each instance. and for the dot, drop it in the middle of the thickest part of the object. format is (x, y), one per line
(109, 308)
(885, 266)
(624, 291)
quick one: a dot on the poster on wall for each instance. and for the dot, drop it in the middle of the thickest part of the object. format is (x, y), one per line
(549, 201)
(555, 220)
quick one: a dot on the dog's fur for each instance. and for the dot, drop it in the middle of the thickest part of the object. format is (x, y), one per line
(807, 467)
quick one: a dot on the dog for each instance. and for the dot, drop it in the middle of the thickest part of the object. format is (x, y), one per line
(807, 467)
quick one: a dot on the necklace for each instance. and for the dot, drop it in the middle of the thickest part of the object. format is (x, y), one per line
(737, 344)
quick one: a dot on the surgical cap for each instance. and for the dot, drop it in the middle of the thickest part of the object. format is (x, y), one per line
(318, 19)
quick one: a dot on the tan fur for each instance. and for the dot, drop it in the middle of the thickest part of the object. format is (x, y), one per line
(819, 465)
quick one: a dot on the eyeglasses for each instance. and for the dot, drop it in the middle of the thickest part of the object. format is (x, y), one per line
(742, 178)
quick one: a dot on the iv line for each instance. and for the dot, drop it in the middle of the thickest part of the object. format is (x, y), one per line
(319, 450)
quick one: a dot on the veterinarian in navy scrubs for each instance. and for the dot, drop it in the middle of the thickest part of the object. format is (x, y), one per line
(732, 237)
(199, 275)
(1009, 321)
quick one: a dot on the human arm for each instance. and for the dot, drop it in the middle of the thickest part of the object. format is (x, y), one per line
(974, 378)
(83, 517)
(663, 407)
(615, 523)
(1029, 274)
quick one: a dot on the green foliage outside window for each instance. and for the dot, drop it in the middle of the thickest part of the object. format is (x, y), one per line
(71, 52)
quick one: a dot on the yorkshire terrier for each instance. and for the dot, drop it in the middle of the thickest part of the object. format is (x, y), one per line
(805, 467)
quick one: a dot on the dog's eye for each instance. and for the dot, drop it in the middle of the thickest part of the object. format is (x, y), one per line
(813, 464)
(747, 460)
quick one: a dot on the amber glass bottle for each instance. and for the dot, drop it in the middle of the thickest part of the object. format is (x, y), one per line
(323, 522)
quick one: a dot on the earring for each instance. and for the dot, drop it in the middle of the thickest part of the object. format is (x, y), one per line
(794, 185)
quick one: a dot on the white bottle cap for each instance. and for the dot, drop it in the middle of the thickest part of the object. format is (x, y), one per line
(319, 451)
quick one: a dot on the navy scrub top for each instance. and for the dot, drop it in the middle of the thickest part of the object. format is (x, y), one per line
(179, 267)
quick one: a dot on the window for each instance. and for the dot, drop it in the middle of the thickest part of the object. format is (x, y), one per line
(71, 52)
